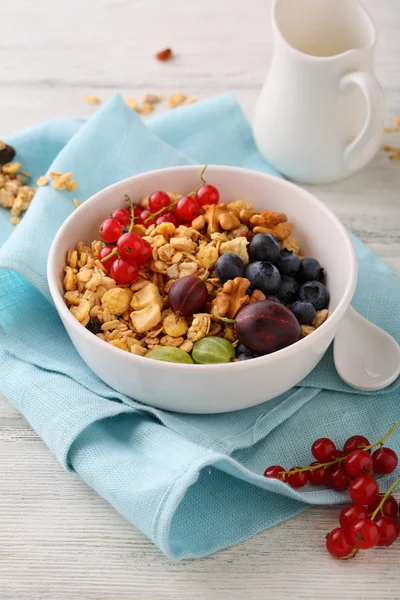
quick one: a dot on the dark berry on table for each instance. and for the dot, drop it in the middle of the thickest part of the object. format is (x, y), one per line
(304, 312)
(124, 272)
(159, 201)
(388, 530)
(364, 490)
(187, 208)
(310, 270)
(364, 533)
(355, 442)
(323, 450)
(359, 462)
(316, 293)
(6, 154)
(338, 543)
(207, 194)
(229, 266)
(297, 479)
(390, 507)
(94, 325)
(188, 295)
(288, 262)
(287, 290)
(385, 460)
(123, 216)
(263, 276)
(266, 327)
(339, 479)
(243, 353)
(110, 230)
(352, 513)
(274, 472)
(318, 476)
(264, 246)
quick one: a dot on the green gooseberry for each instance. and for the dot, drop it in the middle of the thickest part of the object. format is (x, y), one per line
(170, 354)
(212, 350)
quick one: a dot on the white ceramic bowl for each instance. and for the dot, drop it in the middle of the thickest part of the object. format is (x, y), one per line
(225, 387)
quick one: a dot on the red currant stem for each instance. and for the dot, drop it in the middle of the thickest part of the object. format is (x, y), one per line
(385, 497)
(163, 209)
(132, 222)
(206, 274)
(113, 253)
(356, 551)
(202, 173)
(342, 458)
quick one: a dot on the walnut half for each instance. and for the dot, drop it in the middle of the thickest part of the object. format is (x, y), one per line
(233, 297)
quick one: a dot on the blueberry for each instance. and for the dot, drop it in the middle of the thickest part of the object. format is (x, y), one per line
(287, 290)
(244, 353)
(316, 293)
(304, 312)
(263, 276)
(310, 270)
(94, 325)
(229, 266)
(288, 262)
(264, 246)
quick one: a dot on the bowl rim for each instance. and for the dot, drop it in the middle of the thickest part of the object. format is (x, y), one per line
(284, 353)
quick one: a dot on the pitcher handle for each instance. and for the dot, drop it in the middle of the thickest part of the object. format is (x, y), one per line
(373, 94)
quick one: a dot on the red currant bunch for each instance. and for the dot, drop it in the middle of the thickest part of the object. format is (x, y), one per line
(372, 518)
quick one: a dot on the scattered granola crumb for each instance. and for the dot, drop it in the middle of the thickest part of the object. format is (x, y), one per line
(394, 157)
(190, 100)
(62, 181)
(92, 100)
(11, 168)
(15, 220)
(132, 103)
(42, 180)
(146, 108)
(396, 120)
(2, 145)
(152, 99)
(388, 148)
(390, 129)
(164, 55)
(77, 203)
(176, 99)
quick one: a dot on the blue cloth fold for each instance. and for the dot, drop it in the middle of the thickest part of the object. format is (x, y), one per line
(192, 483)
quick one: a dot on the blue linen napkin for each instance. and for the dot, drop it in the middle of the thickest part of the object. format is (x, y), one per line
(192, 483)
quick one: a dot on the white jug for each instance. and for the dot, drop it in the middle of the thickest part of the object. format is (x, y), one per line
(319, 117)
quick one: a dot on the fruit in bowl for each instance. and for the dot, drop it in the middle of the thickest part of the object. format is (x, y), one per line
(255, 274)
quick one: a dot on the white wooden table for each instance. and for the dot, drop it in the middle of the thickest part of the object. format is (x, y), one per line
(58, 539)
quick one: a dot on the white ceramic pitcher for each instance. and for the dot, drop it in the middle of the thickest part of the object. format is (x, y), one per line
(319, 117)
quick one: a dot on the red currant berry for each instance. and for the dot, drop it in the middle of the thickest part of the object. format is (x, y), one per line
(323, 449)
(355, 442)
(363, 490)
(104, 252)
(110, 230)
(385, 460)
(364, 533)
(318, 476)
(124, 272)
(274, 472)
(338, 454)
(338, 543)
(187, 208)
(169, 217)
(159, 201)
(339, 479)
(352, 513)
(130, 246)
(388, 530)
(123, 216)
(359, 462)
(297, 480)
(390, 507)
(146, 254)
(207, 194)
(147, 218)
